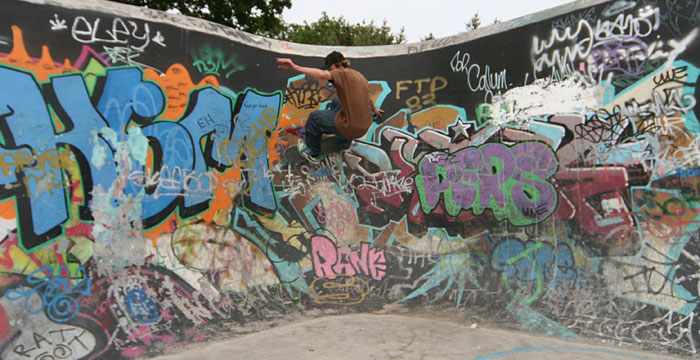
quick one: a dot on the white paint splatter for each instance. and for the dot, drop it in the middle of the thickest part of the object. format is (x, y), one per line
(118, 229)
(573, 95)
(680, 46)
(98, 151)
(138, 144)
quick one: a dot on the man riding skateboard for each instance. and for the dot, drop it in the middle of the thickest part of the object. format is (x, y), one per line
(348, 117)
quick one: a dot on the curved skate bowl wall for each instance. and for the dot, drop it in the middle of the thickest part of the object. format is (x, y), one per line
(546, 166)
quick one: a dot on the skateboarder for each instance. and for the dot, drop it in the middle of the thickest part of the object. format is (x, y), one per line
(348, 117)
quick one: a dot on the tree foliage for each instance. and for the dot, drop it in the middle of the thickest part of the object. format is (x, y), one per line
(430, 36)
(264, 17)
(474, 22)
(339, 32)
(260, 17)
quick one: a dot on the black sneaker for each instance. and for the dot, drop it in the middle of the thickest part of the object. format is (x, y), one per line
(304, 153)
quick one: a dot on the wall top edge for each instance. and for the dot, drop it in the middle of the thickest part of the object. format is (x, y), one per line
(283, 47)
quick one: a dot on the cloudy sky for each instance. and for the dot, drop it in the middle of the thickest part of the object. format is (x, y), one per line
(418, 17)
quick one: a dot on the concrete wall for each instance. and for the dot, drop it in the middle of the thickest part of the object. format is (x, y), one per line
(544, 168)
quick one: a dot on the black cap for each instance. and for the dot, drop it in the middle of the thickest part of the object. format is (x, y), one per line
(333, 58)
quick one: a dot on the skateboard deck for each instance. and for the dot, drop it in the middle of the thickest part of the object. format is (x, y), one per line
(329, 145)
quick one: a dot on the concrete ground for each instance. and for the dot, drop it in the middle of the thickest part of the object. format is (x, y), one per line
(373, 336)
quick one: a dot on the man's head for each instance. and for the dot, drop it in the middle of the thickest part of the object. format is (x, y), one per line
(337, 59)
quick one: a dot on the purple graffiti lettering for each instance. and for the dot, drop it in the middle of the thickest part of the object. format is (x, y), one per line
(511, 181)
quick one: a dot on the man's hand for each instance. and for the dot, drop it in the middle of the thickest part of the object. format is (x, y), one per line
(378, 112)
(285, 63)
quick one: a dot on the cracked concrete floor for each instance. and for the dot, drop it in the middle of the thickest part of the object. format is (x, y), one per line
(372, 336)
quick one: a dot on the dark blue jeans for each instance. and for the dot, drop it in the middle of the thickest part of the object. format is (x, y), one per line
(323, 122)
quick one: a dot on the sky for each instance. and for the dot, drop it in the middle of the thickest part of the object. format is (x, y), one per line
(418, 17)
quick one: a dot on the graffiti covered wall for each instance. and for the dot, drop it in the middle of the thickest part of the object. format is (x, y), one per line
(547, 166)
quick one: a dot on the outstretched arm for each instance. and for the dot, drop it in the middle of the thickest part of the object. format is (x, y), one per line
(288, 64)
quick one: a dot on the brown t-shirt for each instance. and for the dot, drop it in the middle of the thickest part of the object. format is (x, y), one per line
(355, 117)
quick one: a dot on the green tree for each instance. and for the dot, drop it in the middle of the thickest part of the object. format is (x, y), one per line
(338, 31)
(260, 17)
(428, 37)
(474, 22)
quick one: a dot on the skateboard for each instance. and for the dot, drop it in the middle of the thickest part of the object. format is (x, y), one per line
(329, 145)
